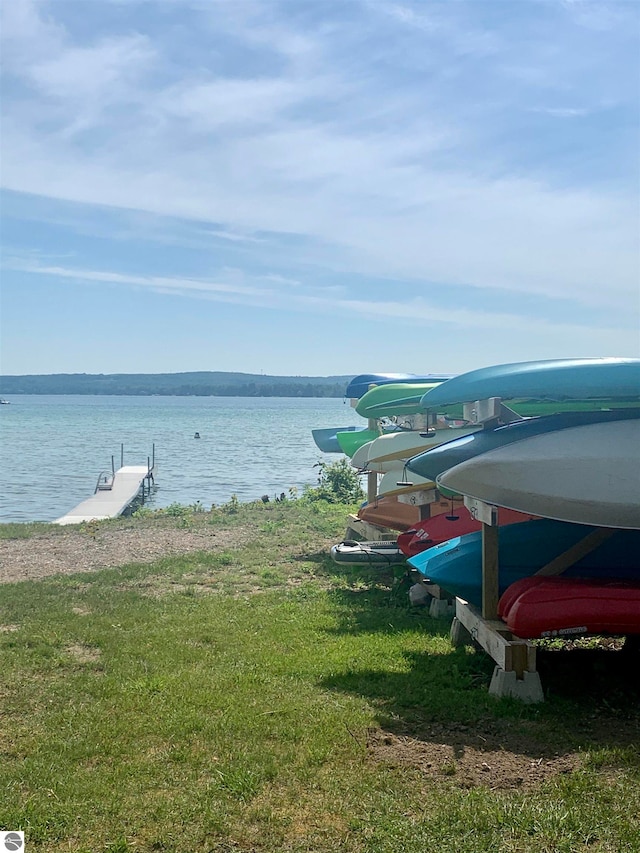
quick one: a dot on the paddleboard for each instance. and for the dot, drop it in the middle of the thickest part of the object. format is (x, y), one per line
(367, 553)
(588, 474)
(456, 565)
(554, 379)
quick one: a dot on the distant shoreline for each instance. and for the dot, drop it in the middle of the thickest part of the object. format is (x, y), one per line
(195, 384)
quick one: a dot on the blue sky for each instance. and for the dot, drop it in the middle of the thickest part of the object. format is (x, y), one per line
(314, 187)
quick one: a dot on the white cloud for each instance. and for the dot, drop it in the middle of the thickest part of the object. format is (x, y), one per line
(102, 70)
(359, 158)
(275, 292)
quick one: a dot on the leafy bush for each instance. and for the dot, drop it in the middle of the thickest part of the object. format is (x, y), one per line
(338, 483)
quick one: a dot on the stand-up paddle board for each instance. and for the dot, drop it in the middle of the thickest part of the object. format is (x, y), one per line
(367, 553)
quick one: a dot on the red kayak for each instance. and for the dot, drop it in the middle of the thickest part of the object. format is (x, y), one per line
(446, 525)
(561, 607)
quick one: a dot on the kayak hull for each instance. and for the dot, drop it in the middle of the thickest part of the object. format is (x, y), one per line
(564, 607)
(525, 548)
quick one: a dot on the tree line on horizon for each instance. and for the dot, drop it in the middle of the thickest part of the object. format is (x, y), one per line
(197, 384)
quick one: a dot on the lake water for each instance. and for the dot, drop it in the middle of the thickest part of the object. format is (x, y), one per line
(53, 448)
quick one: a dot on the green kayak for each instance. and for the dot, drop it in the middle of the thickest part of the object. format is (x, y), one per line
(398, 398)
(350, 441)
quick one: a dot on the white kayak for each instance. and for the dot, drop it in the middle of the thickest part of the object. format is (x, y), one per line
(401, 482)
(404, 445)
(361, 461)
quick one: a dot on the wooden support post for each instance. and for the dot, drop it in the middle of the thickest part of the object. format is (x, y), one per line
(372, 487)
(372, 477)
(490, 571)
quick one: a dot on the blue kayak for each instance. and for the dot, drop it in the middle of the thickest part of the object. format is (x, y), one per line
(327, 439)
(554, 379)
(431, 463)
(359, 385)
(525, 548)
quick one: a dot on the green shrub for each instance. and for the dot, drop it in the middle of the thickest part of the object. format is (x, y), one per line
(338, 483)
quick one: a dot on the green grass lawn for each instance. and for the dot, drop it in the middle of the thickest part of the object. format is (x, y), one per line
(264, 698)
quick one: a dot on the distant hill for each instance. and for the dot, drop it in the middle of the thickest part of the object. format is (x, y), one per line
(199, 384)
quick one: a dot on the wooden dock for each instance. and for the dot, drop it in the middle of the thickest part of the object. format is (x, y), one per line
(113, 496)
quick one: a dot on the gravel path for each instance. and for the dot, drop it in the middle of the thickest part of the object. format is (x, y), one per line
(77, 549)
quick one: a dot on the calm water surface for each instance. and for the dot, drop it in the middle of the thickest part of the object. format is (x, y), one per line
(52, 448)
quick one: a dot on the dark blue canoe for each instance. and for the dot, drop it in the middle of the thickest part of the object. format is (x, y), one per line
(441, 458)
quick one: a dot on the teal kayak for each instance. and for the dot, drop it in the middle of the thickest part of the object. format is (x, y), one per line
(554, 379)
(456, 565)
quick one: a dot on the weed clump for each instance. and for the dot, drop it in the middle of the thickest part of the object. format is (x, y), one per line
(338, 483)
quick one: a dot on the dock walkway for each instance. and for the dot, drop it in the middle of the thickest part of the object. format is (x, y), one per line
(110, 500)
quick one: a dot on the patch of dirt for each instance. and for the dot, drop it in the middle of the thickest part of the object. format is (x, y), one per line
(77, 550)
(470, 757)
(496, 754)
(83, 654)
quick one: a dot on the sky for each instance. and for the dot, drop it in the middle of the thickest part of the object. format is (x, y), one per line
(317, 187)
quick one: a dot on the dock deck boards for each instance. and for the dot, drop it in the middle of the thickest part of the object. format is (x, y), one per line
(109, 503)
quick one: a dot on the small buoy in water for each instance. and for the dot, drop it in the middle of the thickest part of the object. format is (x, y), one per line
(197, 435)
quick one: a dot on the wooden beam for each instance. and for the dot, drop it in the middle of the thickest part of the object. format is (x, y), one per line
(495, 638)
(585, 546)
